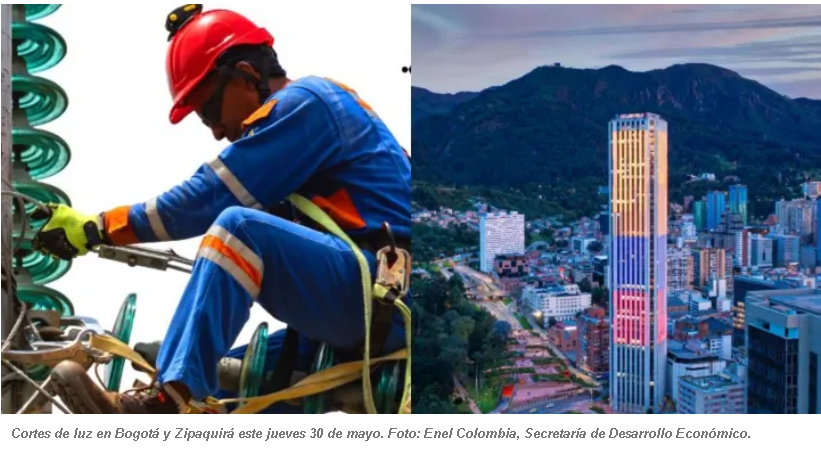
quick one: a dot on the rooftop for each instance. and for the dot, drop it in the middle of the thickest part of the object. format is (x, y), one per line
(807, 303)
(709, 383)
(678, 353)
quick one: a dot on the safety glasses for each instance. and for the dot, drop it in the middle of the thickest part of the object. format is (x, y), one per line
(211, 111)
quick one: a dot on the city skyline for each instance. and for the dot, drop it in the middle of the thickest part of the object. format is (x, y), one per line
(777, 45)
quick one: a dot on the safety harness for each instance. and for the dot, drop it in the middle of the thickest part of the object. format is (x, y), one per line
(390, 287)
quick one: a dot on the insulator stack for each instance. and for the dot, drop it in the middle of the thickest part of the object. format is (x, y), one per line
(36, 155)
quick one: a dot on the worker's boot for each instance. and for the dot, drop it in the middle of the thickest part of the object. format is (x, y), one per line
(82, 395)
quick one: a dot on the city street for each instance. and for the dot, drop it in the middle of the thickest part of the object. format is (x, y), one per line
(503, 313)
(580, 403)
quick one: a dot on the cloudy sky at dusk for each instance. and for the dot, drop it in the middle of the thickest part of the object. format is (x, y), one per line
(472, 47)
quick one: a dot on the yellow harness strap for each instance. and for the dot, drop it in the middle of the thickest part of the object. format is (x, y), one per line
(322, 381)
(319, 216)
(316, 383)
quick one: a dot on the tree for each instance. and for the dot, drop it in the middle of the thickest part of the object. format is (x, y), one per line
(599, 296)
(454, 350)
(462, 327)
(595, 246)
(585, 286)
(551, 322)
(501, 330)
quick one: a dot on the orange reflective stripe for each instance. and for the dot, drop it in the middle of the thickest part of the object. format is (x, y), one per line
(342, 86)
(356, 97)
(341, 208)
(213, 242)
(117, 227)
(263, 112)
(365, 105)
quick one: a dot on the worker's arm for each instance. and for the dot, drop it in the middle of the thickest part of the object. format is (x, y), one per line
(288, 140)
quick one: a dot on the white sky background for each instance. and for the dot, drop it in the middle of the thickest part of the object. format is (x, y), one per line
(124, 149)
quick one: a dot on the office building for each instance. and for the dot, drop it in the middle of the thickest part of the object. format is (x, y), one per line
(807, 256)
(689, 359)
(500, 233)
(738, 201)
(638, 267)
(786, 249)
(711, 395)
(761, 251)
(594, 342)
(700, 215)
(783, 348)
(561, 302)
(716, 204)
(679, 269)
(742, 286)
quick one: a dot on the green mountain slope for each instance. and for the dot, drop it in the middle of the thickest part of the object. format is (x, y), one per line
(545, 134)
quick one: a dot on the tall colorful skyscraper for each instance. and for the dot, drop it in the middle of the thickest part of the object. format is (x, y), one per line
(738, 201)
(638, 261)
(716, 203)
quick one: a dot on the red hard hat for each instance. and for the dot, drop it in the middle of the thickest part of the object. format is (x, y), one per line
(196, 46)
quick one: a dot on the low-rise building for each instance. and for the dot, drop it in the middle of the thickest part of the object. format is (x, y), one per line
(689, 359)
(561, 302)
(565, 336)
(711, 395)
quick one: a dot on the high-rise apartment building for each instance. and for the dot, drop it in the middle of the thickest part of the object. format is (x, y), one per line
(742, 250)
(783, 348)
(796, 216)
(738, 201)
(708, 263)
(679, 269)
(500, 233)
(638, 261)
(716, 203)
(594, 341)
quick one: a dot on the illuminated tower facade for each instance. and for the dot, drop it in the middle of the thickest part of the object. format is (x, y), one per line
(638, 255)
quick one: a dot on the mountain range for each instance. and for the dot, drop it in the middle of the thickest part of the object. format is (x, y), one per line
(544, 136)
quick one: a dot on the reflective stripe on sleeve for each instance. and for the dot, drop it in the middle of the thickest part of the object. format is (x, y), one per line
(155, 221)
(234, 185)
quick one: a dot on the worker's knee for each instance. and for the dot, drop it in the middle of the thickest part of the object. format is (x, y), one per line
(231, 217)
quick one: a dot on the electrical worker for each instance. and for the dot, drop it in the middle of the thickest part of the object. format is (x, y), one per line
(310, 136)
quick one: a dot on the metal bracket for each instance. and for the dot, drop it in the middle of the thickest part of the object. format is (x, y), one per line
(136, 256)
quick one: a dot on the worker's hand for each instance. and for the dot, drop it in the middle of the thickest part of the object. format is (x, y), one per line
(67, 234)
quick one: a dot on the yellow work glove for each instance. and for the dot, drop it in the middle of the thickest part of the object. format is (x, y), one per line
(67, 233)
